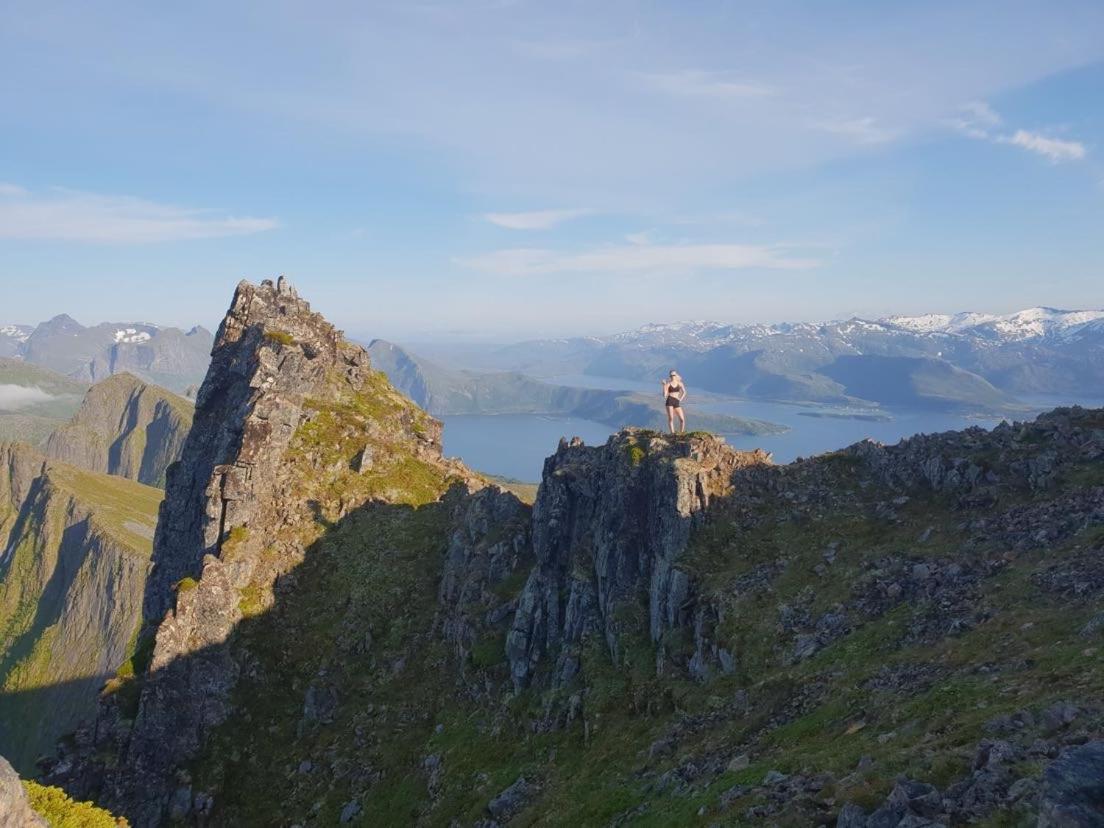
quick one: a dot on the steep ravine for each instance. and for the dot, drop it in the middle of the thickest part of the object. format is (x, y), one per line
(73, 561)
(347, 628)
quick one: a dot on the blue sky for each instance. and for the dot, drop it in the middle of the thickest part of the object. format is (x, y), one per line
(499, 170)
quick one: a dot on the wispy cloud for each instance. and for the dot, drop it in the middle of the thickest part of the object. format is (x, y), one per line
(866, 130)
(1055, 149)
(536, 219)
(68, 215)
(698, 84)
(977, 120)
(636, 258)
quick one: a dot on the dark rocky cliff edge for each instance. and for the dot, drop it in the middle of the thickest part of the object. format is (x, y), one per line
(348, 628)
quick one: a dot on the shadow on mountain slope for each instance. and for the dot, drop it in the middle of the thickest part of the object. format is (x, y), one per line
(931, 611)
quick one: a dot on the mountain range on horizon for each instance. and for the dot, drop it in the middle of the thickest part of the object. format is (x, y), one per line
(972, 362)
(167, 356)
(967, 361)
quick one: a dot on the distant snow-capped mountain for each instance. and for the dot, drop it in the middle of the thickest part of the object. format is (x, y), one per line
(967, 361)
(12, 338)
(169, 357)
(1033, 323)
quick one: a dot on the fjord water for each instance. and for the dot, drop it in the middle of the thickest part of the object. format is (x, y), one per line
(515, 445)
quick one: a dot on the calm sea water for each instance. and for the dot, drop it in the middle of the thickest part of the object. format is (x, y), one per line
(515, 445)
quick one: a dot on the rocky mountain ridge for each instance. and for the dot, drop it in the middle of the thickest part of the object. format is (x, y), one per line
(73, 565)
(676, 631)
(125, 427)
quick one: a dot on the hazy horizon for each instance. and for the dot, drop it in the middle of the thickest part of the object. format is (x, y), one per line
(461, 337)
(504, 170)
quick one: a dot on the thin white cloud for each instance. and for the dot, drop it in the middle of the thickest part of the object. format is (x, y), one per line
(977, 120)
(694, 83)
(1054, 149)
(864, 130)
(68, 215)
(636, 258)
(14, 397)
(537, 219)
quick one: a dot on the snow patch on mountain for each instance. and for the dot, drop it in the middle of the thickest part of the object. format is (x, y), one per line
(131, 335)
(17, 332)
(1033, 323)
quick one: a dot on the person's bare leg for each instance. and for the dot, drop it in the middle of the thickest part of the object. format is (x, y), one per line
(682, 419)
(671, 418)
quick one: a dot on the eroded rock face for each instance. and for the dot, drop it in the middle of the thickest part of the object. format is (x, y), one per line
(228, 502)
(125, 427)
(488, 549)
(609, 524)
(75, 547)
(1028, 455)
(15, 811)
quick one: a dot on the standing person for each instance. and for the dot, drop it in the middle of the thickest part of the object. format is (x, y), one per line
(674, 392)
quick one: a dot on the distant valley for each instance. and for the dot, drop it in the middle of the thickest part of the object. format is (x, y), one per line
(443, 391)
(969, 362)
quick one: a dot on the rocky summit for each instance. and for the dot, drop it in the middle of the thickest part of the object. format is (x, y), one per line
(343, 627)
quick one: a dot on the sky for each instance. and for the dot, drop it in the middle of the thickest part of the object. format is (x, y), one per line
(494, 170)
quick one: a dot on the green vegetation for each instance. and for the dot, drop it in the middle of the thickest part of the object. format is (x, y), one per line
(125, 509)
(60, 811)
(280, 338)
(185, 584)
(81, 536)
(635, 454)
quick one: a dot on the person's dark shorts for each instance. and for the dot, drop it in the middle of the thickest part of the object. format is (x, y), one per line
(674, 402)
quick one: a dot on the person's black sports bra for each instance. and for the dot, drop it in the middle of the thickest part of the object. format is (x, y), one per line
(674, 389)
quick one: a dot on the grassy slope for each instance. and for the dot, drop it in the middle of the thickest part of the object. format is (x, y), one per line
(55, 629)
(357, 617)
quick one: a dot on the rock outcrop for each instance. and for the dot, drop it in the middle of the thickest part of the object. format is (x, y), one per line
(609, 525)
(15, 811)
(287, 404)
(73, 566)
(1073, 789)
(125, 427)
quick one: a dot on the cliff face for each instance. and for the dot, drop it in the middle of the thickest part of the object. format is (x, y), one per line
(125, 427)
(609, 524)
(15, 811)
(347, 628)
(72, 571)
(292, 431)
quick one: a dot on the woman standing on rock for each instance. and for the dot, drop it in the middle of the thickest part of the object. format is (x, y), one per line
(674, 392)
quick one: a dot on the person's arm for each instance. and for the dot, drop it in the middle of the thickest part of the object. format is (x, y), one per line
(665, 385)
(682, 392)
